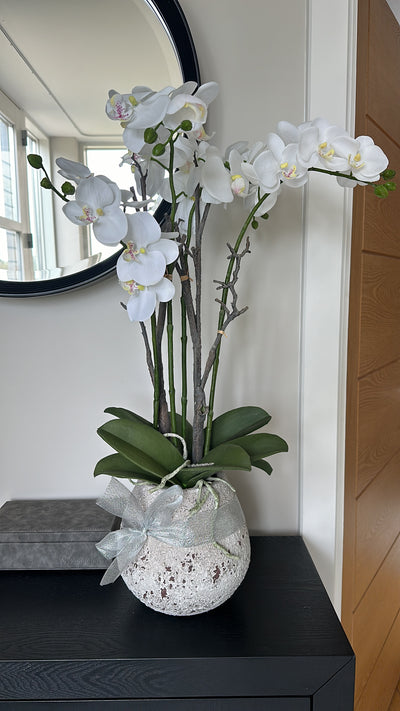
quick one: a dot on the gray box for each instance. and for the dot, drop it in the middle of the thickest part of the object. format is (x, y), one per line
(53, 534)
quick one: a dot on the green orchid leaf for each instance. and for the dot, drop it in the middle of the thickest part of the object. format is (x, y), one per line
(135, 455)
(123, 414)
(261, 445)
(237, 423)
(225, 457)
(142, 445)
(261, 464)
(118, 466)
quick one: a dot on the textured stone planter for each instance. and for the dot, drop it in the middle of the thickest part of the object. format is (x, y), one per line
(188, 580)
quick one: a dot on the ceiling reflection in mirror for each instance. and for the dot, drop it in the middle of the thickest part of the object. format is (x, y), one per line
(61, 60)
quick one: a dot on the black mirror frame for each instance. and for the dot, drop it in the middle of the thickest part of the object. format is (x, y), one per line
(172, 17)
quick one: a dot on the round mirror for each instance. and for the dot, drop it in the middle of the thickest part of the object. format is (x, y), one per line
(62, 59)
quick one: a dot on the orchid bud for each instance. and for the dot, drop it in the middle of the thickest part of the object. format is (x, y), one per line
(158, 149)
(150, 135)
(67, 188)
(46, 183)
(388, 174)
(35, 161)
(380, 191)
(390, 186)
(186, 125)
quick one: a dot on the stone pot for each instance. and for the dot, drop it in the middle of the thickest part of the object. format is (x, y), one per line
(188, 580)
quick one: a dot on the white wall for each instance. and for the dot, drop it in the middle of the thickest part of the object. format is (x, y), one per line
(66, 357)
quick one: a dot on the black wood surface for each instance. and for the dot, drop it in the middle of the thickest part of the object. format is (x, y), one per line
(64, 637)
(265, 704)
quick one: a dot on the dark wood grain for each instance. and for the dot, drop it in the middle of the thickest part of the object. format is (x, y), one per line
(265, 704)
(65, 637)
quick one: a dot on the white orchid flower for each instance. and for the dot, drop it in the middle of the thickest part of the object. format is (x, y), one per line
(327, 155)
(193, 108)
(292, 165)
(144, 299)
(364, 159)
(314, 139)
(263, 172)
(215, 179)
(147, 113)
(72, 170)
(120, 107)
(146, 255)
(96, 203)
(240, 184)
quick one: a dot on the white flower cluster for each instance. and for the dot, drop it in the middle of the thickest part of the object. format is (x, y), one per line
(171, 155)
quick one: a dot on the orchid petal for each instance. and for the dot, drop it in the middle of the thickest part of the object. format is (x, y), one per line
(275, 145)
(72, 170)
(111, 228)
(187, 88)
(165, 290)
(143, 229)
(208, 92)
(150, 111)
(94, 192)
(216, 180)
(168, 249)
(141, 305)
(74, 213)
(133, 138)
(147, 268)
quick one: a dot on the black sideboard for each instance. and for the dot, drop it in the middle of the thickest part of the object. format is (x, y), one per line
(276, 645)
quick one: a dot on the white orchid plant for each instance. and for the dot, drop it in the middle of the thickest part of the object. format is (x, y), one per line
(172, 156)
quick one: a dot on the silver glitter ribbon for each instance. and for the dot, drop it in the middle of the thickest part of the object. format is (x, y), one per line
(125, 544)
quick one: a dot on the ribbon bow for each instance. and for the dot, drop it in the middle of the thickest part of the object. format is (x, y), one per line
(200, 526)
(137, 523)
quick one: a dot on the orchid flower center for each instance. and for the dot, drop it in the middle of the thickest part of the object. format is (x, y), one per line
(198, 110)
(355, 161)
(238, 184)
(132, 287)
(88, 215)
(326, 155)
(122, 111)
(131, 253)
(288, 172)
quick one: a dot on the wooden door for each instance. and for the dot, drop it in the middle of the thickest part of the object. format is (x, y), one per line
(371, 570)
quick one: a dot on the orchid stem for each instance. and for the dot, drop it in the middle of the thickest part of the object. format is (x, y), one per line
(170, 334)
(184, 341)
(156, 400)
(210, 415)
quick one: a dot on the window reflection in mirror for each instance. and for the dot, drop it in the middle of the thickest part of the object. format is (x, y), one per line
(44, 109)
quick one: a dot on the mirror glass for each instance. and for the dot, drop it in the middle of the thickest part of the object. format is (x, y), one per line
(61, 60)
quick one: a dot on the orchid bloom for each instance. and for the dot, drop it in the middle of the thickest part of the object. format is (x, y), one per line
(146, 254)
(364, 160)
(120, 107)
(263, 172)
(315, 142)
(215, 179)
(148, 112)
(186, 107)
(72, 170)
(144, 299)
(292, 168)
(240, 184)
(96, 203)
